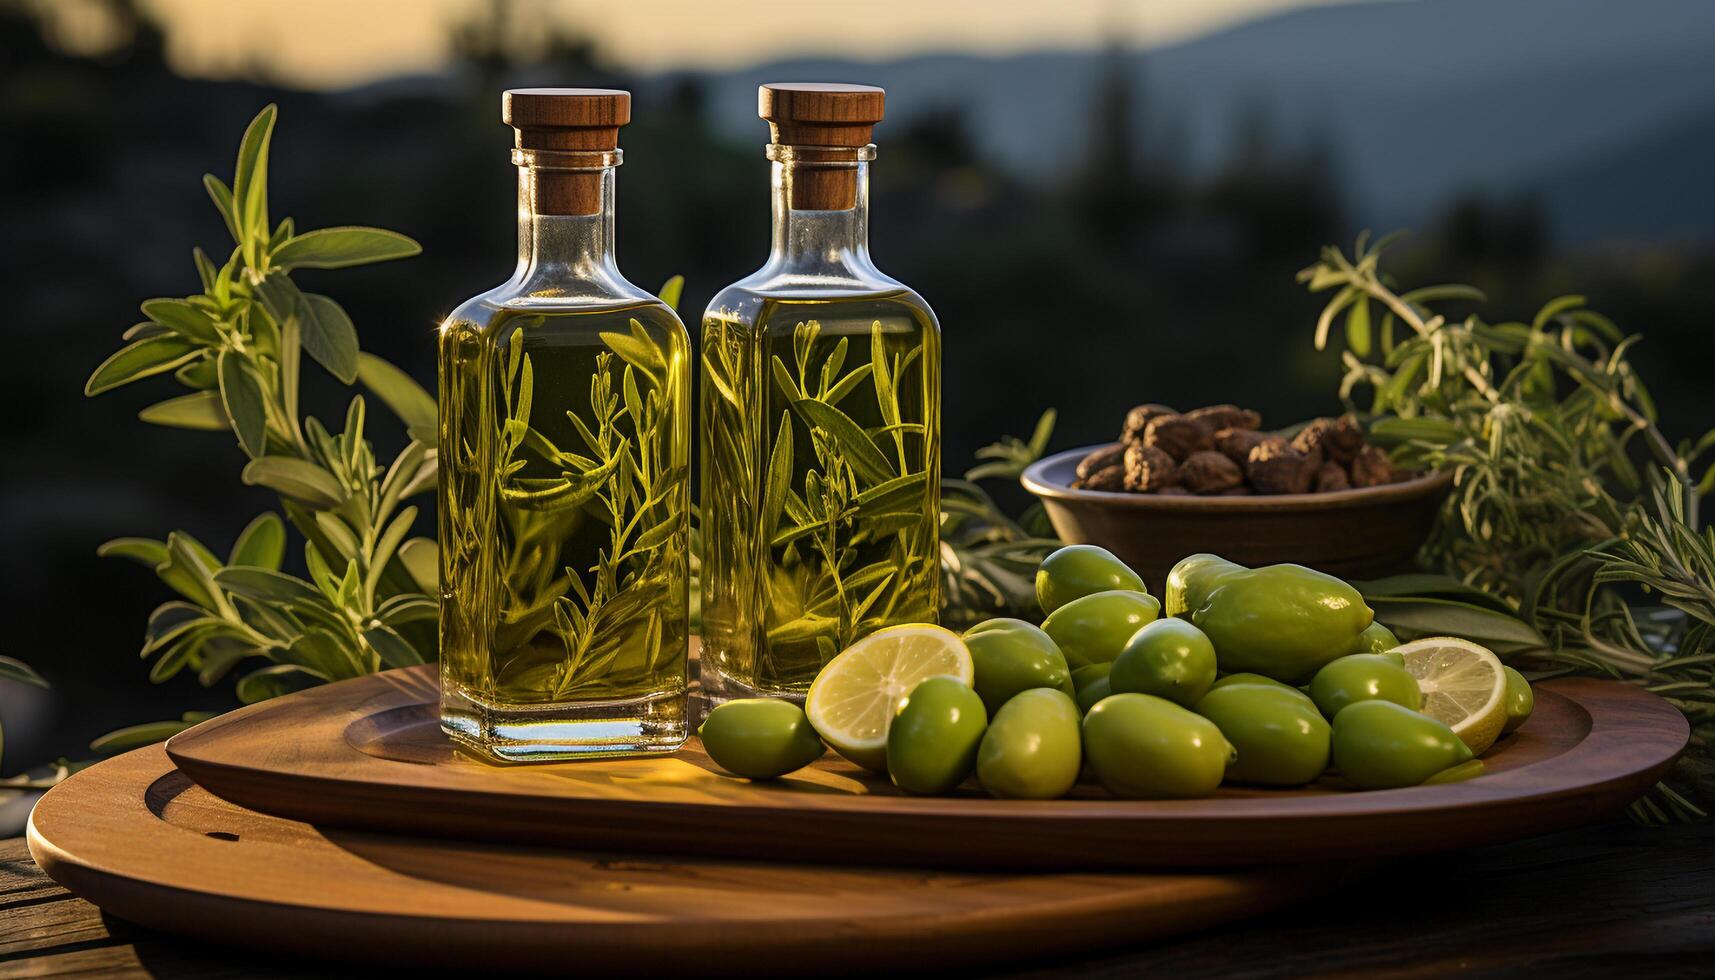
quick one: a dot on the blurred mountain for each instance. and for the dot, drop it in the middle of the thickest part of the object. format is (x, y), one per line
(1413, 103)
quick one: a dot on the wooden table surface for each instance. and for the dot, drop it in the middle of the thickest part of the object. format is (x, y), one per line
(1610, 900)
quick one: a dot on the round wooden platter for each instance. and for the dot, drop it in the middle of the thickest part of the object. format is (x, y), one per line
(368, 753)
(139, 839)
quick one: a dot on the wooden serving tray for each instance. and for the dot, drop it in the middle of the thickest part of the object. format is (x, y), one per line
(368, 753)
(139, 839)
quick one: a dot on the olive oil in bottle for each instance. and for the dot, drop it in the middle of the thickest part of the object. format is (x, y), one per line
(820, 426)
(564, 455)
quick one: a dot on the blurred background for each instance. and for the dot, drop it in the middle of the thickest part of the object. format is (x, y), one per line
(1105, 201)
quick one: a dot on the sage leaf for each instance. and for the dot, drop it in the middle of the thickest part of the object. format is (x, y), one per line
(330, 338)
(860, 451)
(295, 478)
(140, 359)
(201, 374)
(262, 543)
(635, 349)
(241, 396)
(188, 570)
(337, 248)
(221, 195)
(267, 585)
(407, 608)
(1358, 327)
(250, 183)
(422, 560)
(183, 319)
(144, 551)
(670, 292)
(275, 680)
(20, 672)
(148, 733)
(200, 410)
(404, 396)
(392, 648)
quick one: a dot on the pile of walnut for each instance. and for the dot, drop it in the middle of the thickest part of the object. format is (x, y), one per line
(1220, 451)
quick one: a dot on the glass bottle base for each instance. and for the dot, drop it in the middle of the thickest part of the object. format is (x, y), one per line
(718, 687)
(649, 725)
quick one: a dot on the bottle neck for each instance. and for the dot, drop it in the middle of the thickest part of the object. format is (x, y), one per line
(565, 226)
(821, 211)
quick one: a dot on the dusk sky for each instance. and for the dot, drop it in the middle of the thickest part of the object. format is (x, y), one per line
(334, 43)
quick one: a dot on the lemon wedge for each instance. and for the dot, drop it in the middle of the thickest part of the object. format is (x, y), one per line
(855, 697)
(1463, 685)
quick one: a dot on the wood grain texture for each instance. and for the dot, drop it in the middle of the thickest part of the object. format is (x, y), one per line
(1151, 532)
(1614, 899)
(142, 841)
(368, 753)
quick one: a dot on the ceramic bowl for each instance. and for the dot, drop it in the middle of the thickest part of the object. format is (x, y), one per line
(1355, 534)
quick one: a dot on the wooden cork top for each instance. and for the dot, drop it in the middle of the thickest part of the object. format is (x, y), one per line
(567, 120)
(821, 114)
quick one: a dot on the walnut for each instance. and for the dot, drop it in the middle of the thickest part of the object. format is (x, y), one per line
(1372, 468)
(1337, 439)
(1138, 418)
(1178, 436)
(1237, 443)
(1101, 459)
(1148, 468)
(1108, 478)
(1276, 467)
(1332, 476)
(1209, 472)
(1220, 417)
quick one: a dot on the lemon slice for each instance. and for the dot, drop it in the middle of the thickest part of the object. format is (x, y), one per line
(856, 695)
(1463, 686)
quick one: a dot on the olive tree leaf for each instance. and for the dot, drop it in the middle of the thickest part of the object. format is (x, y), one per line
(201, 410)
(860, 451)
(407, 399)
(295, 478)
(262, 543)
(183, 319)
(337, 248)
(241, 396)
(140, 359)
(779, 476)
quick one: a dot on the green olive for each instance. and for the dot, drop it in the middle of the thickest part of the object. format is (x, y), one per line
(1456, 774)
(1363, 677)
(1011, 655)
(1144, 747)
(1093, 629)
(1281, 739)
(1078, 570)
(1227, 680)
(1168, 658)
(1091, 682)
(932, 743)
(1382, 745)
(1520, 700)
(1190, 581)
(760, 738)
(1376, 638)
(1031, 750)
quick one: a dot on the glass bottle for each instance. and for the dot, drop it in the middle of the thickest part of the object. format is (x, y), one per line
(564, 456)
(820, 427)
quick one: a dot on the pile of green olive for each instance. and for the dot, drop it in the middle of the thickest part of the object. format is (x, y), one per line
(1267, 677)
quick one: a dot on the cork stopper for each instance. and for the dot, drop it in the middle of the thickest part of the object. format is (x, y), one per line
(567, 120)
(821, 114)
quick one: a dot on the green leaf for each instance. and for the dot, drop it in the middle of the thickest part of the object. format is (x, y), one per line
(779, 476)
(144, 551)
(670, 292)
(392, 648)
(140, 359)
(422, 560)
(20, 672)
(1445, 617)
(200, 410)
(201, 374)
(330, 338)
(137, 736)
(221, 195)
(241, 396)
(295, 478)
(407, 399)
(188, 570)
(860, 451)
(267, 585)
(1358, 327)
(262, 543)
(337, 248)
(250, 183)
(183, 319)
(275, 680)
